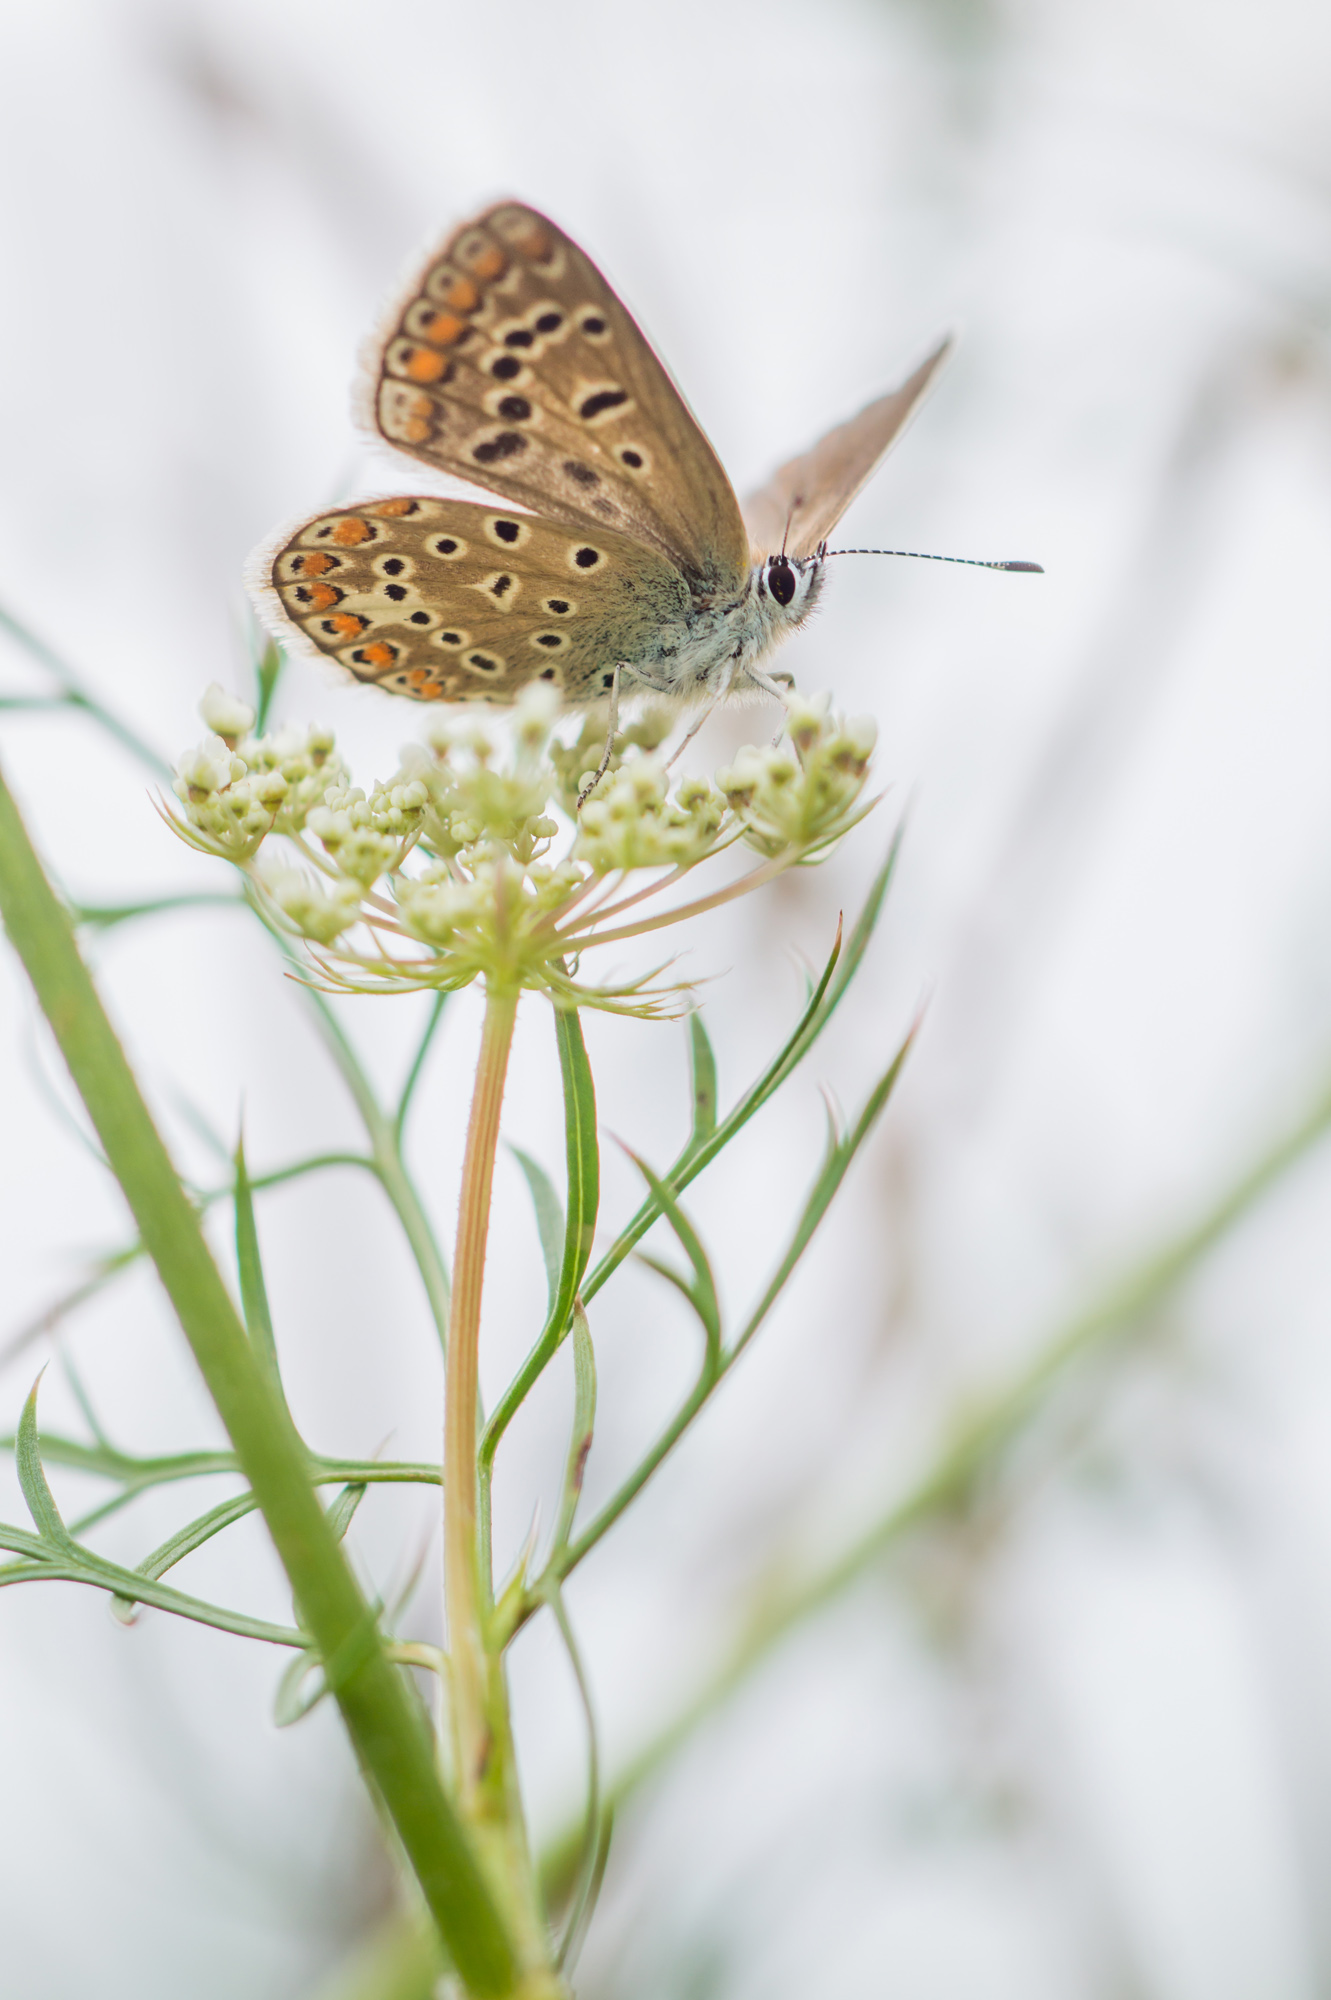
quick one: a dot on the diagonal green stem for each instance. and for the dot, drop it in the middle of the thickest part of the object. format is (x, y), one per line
(378, 1706)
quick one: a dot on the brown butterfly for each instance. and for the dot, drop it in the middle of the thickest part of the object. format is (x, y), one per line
(625, 553)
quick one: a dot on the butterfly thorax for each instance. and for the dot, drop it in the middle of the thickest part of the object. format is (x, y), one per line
(723, 633)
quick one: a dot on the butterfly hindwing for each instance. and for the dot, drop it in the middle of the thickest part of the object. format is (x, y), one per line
(804, 499)
(511, 363)
(444, 600)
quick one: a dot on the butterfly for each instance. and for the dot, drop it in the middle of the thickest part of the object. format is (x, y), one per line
(624, 554)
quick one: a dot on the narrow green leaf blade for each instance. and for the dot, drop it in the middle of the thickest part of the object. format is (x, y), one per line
(702, 1293)
(702, 1063)
(835, 1166)
(32, 1476)
(584, 1424)
(842, 964)
(301, 1688)
(549, 1220)
(343, 1510)
(268, 667)
(582, 1150)
(195, 1533)
(253, 1290)
(413, 1076)
(583, 1168)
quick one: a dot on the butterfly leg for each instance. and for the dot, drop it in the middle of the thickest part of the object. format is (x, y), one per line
(609, 750)
(721, 692)
(772, 684)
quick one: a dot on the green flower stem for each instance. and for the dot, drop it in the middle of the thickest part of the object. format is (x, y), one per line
(378, 1707)
(484, 1763)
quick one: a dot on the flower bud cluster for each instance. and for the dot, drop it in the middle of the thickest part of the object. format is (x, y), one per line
(632, 821)
(366, 838)
(496, 919)
(474, 801)
(444, 874)
(236, 791)
(804, 796)
(575, 762)
(319, 909)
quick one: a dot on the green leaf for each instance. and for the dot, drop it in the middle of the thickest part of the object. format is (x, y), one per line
(32, 1477)
(185, 1540)
(842, 965)
(24, 1543)
(584, 1423)
(253, 1291)
(836, 1163)
(75, 695)
(549, 1220)
(582, 1151)
(408, 1091)
(702, 1064)
(195, 1533)
(103, 916)
(267, 672)
(343, 1510)
(596, 1822)
(825, 1186)
(701, 1294)
(583, 1166)
(301, 1688)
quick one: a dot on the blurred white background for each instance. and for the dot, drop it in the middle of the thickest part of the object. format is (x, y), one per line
(1081, 1751)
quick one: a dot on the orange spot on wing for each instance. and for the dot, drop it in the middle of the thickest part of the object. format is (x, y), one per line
(392, 510)
(313, 563)
(350, 531)
(318, 596)
(423, 366)
(347, 625)
(489, 263)
(463, 295)
(443, 328)
(535, 244)
(378, 655)
(423, 684)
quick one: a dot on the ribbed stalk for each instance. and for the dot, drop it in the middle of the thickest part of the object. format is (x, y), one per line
(482, 1735)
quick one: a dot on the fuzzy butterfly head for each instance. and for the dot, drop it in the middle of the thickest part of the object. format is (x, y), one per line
(508, 361)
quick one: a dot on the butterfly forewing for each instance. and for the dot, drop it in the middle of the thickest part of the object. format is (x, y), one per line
(511, 363)
(444, 600)
(803, 500)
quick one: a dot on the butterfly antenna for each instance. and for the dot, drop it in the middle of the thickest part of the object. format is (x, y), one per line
(920, 555)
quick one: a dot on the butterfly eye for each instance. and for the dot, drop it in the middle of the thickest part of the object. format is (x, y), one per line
(781, 579)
